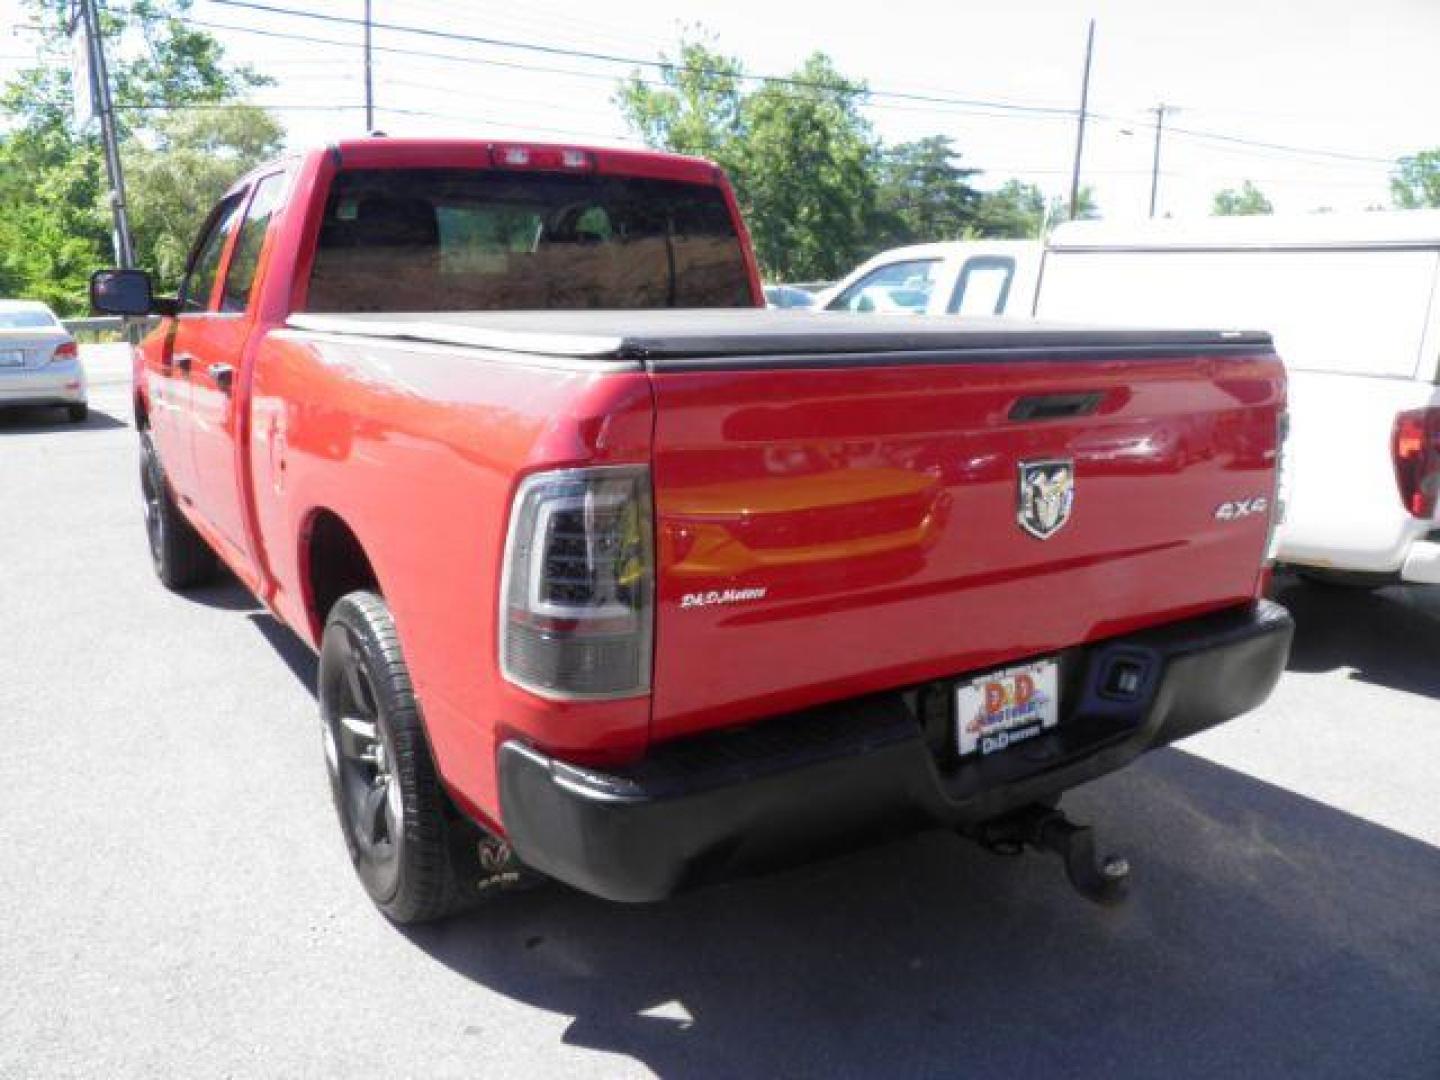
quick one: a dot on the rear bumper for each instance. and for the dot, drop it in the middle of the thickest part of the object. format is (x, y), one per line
(53, 384)
(796, 787)
(1417, 563)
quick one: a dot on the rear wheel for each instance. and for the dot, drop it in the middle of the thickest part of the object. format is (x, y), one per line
(418, 859)
(79, 412)
(180, 557)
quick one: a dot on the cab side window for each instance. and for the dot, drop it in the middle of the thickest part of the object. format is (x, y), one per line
(240, 278)
(899, 286)
(984, 285)
(204, 267)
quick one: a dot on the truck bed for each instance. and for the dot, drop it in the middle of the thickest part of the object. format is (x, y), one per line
(672, 340)
(842, 491)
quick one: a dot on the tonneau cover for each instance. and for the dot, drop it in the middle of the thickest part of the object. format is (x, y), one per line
(667, 338)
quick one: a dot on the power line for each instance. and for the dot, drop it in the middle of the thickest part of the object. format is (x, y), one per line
(1279, 147)
(937, 104)
(616, 58)
(388, 80)
(607, 77)
(359, 107)
(399, 51)
(1258, 144)
(543, 21)
(555, 50)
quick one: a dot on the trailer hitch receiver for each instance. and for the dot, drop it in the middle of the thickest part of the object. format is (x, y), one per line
(1104, 880)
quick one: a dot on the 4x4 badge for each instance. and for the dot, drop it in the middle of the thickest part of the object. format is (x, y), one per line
(1047, 493)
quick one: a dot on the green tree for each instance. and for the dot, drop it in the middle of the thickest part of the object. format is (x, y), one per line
(1058, 210)
(54, 219)
(809, 174)
(1415, 183)
(1017, 210)
(1013, 211)
(799, 152)
(175, 177)
(1239, 202)
(696, 110)
(53, 225)
(923, 194)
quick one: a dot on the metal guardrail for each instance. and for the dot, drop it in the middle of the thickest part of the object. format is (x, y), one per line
(107, 326)
(104, 322)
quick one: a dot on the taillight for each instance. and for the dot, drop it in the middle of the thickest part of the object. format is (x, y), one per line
(577, 598)
(1415, 446)
(1280, 497)
(66, 350)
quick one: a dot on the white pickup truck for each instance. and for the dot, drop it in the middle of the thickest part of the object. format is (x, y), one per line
(1352, 301)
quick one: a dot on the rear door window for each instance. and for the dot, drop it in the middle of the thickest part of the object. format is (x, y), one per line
(240, 277)
(897, 286)
(470, 240)
(984, 285)
(204, 268)
(27, 319)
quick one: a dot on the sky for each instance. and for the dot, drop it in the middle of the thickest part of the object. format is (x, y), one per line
(1331, 90)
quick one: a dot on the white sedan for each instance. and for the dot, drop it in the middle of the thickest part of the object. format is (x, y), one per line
(39, 360)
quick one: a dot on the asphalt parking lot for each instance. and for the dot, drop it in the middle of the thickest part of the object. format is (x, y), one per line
(176, 899)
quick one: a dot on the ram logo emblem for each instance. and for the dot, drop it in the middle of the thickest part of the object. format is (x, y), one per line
(1046, 497)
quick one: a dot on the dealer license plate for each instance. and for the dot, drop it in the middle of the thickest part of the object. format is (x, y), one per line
(1003, 708)
(12, 359)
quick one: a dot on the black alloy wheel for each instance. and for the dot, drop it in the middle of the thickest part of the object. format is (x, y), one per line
(359, 756)
(180, 557)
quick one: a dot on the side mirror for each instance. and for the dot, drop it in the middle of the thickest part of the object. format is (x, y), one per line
(122, 292)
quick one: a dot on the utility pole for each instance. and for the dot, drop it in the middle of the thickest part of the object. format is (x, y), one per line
(105, 109)
(1159, 112)
(1080, 130)
(369, 83)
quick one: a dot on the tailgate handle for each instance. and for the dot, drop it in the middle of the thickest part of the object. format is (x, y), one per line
(1055, 406)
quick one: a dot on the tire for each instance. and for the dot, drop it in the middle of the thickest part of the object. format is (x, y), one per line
(418, 858)
(1351, 581)
(181, 559)
(79, 412)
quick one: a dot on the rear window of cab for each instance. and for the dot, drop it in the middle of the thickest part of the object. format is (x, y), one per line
(469, 240)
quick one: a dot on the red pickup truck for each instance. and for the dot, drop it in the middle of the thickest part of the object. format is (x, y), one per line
(615, 579)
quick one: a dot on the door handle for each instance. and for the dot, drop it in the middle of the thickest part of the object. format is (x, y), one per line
(223, 374)
(183, 361)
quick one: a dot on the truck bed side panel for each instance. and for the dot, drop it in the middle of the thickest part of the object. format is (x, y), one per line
(417, 450)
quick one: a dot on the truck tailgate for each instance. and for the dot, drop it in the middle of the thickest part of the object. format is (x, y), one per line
(833, 526)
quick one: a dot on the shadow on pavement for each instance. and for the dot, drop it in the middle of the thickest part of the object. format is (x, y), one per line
(1391, 637)
(30, 420)
(296, 654)
(225, 593)
(1267, 935)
